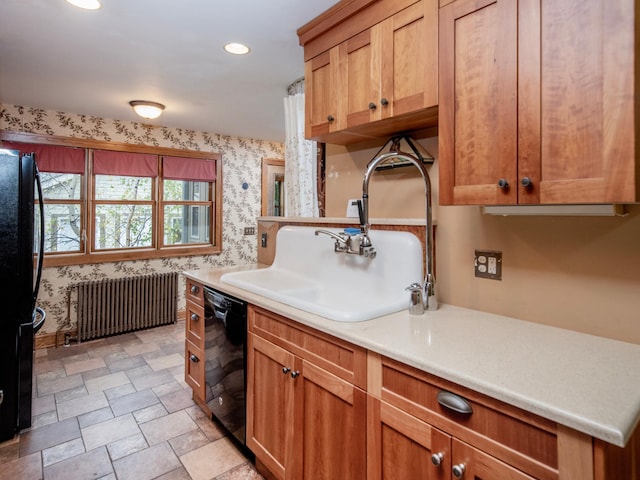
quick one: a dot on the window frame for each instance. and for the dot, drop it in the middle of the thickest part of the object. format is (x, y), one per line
(211, 192)
(88, 203)
(82, 204)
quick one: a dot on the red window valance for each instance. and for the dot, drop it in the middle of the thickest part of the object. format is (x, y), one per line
(129, 164)
(194, 169)
(52, 158)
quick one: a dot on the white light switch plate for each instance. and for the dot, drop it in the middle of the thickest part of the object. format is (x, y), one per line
(352, 208)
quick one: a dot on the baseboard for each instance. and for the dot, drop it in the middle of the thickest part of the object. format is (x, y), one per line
(53, 339)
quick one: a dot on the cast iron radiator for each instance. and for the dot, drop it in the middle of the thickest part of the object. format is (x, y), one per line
(109, 307)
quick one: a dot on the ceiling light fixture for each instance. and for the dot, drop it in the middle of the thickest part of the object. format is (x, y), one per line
(236, 49)
(147, 109)
(86, 4)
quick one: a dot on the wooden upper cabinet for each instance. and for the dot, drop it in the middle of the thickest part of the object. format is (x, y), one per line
(321, 108)
(410, 61)
(373, 72)
(539, 94)
(587, 101)
(478, 102)
(361, 89)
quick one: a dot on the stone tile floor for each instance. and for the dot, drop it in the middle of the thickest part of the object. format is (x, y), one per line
(118, 408)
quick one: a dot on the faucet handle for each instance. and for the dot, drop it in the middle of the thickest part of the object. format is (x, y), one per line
(361, 215)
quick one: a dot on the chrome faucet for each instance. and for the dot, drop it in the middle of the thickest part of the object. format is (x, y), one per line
(429, 300)
(341, 240)
(347, 242)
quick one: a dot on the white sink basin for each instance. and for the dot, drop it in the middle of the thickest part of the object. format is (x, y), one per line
(307, 274)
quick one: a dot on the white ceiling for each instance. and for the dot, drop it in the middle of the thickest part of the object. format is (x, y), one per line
(58, 57)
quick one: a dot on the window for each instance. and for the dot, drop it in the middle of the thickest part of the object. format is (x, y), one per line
(63, 211)
(103, 204)
(187, 189)
(123, 200)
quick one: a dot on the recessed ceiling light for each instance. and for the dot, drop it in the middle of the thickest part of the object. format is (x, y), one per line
(236, 48)
(86, 4)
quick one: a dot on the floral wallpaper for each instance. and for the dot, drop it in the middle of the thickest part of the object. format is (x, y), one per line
(241, 158)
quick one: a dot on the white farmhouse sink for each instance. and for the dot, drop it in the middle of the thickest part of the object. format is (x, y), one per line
(307, 274)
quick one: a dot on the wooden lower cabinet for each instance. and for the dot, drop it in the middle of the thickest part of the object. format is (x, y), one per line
(331, 433)
(270, 420)
(471, 463)
(400, 446)
(321, 408)
(303, 422)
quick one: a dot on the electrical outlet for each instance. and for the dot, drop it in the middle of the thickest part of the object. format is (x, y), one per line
(249, 230)
(488, 264)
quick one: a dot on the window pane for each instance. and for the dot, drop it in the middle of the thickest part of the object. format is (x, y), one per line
(177, 190)
(61, 227)
(113, 187)
(61, 186)
(184, 224)
(123, 226)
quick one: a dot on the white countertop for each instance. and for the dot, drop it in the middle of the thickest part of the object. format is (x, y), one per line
(588, 383)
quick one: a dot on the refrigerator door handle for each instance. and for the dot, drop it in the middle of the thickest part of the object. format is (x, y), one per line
(41, 246)
(43, 316)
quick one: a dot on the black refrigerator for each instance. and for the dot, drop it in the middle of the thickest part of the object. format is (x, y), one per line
(21, 252)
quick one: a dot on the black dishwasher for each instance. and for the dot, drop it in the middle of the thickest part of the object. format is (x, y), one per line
(226, 353)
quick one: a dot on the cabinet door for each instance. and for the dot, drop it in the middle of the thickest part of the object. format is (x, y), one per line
(400, 446)
(330, 433)
(476, 465)
(409, 49)
(194, 324)
(478, 102)
(361, 60)
(270, 418)
(586, 99)
(322, 86)
(194, 365)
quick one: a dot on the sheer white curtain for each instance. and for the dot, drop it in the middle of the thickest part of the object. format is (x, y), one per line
(300, 162)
